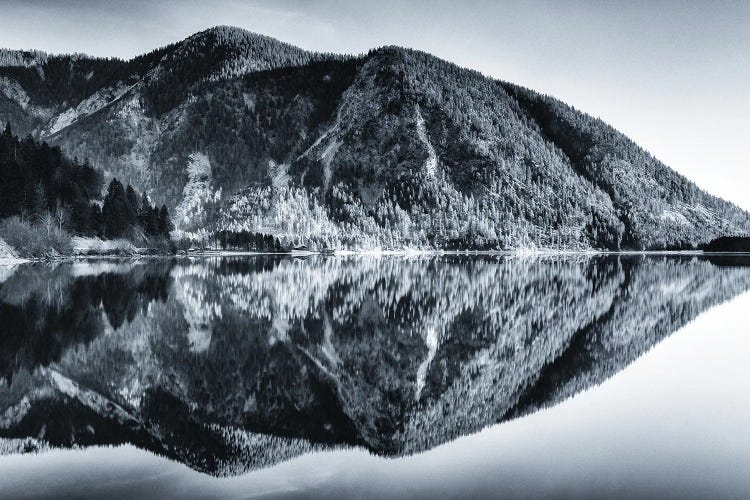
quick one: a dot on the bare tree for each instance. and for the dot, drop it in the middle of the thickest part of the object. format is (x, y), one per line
(48, 222)
(62, 217)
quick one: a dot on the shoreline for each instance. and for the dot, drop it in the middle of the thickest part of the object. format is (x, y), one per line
(15, 261)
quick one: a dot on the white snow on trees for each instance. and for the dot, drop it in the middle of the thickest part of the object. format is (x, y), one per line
(197, 194)
(674, 216)
(430, 165)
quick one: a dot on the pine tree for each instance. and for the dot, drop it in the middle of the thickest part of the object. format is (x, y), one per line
(153, 222)
(132, 201)
(35, 177)
(144, 213)
(165, 225)
(116, 210)
(39, 200)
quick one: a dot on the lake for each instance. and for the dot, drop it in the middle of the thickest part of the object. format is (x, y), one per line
(376, 376)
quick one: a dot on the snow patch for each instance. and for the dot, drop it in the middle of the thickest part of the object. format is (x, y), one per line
(13, 91)
(7, 251)
(279, 174)
(90, 105)
(430, 165)
(96, 246)
(8, 257)
(327, 157)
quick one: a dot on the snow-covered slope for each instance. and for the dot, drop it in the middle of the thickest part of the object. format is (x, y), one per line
(88, 106)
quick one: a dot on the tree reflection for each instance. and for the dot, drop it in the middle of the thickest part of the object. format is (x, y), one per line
(46, 309)
(231, 364)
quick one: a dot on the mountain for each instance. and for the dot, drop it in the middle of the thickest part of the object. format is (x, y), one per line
(192, 359)
(395, 148)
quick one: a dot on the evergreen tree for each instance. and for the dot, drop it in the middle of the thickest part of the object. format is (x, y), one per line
(144, 213)
(38, 181)
(132, 200)
(39, 205)
(35, 177)
(148, 217)
(97, 221)
(165, 225)
(116, 211)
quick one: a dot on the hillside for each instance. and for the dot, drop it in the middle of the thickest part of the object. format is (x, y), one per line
(395, 148)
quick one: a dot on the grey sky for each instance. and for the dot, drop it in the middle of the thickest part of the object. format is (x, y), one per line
(674, 76)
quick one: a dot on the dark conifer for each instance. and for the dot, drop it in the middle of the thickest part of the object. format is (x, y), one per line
(144, 213)
(132, 199)
(165, 225)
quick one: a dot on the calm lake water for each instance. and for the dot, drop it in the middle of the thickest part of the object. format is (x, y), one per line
(421, 377)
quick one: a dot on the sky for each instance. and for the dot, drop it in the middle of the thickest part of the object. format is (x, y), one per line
(672, 75)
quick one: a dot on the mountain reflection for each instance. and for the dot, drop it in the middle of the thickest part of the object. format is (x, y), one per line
(233, 364)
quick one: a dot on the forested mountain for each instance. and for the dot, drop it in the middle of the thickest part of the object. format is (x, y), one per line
(192, 358)
(236, 132)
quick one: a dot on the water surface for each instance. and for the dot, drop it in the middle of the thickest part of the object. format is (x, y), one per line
(393, 376)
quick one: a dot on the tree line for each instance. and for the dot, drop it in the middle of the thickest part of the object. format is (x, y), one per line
(124, 212)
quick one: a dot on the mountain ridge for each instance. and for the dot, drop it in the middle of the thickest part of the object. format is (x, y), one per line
(390, 149)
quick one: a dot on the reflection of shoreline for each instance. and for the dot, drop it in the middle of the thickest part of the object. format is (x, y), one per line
(377, 253)
(408, 252)
(8, 261)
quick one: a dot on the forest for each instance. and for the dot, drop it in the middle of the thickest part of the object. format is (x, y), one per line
(45, 197)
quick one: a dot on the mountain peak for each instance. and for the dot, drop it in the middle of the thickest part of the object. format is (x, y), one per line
(236, 38)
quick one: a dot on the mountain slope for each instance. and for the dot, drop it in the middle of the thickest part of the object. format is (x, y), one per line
(392, 149)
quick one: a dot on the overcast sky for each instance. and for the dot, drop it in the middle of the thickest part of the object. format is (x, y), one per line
(674, 76)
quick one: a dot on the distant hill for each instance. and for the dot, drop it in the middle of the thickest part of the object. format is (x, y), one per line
(396, 148)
